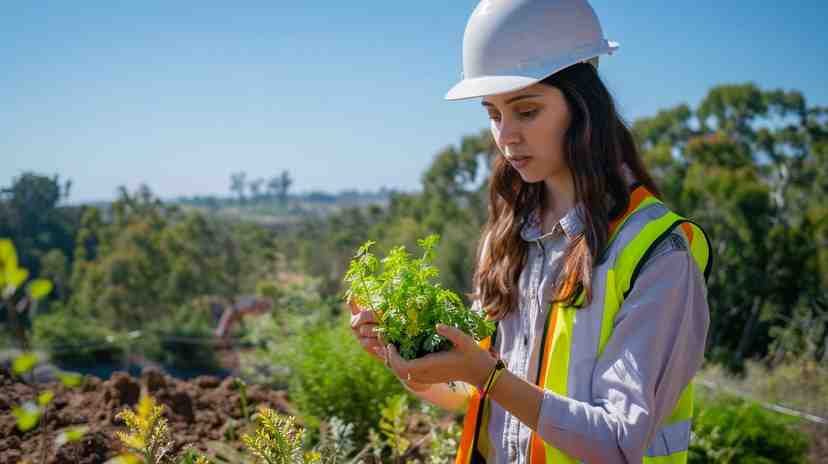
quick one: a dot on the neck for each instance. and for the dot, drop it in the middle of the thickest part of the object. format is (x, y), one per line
(560, 194)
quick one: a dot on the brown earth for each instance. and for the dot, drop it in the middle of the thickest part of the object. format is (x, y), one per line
(198, 411)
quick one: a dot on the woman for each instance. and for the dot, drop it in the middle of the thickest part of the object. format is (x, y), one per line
(598, 289)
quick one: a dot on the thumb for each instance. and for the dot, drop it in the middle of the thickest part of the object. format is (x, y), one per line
(354, 308)
(456, 336)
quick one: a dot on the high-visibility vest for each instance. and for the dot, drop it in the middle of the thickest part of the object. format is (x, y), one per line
(633, 237)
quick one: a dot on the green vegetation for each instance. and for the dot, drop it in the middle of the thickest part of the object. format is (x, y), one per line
(407, 303)
(729, 430)
(749, 164)
(332, 376)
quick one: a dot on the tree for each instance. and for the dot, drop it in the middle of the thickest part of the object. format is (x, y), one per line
(745, 165)
(256, 188)
(285, 181)
(238, 185)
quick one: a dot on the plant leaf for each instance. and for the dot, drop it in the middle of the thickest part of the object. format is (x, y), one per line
(15, 277)
(24, 363)
(27, 416)
(70, 379)
(70, 434)
(45, 398)
(39, 288)
(7, 254)
(125, 459)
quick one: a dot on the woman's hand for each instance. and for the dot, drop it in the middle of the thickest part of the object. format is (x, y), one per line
(363, 325)
(466, 361)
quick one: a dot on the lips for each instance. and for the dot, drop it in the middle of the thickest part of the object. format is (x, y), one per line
(518, 162)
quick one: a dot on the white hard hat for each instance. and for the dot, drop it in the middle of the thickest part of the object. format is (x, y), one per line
(512, 44)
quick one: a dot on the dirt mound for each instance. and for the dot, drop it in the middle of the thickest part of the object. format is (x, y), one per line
(198, 411)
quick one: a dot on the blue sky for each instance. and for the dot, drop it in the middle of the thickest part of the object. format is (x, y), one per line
(341, 94)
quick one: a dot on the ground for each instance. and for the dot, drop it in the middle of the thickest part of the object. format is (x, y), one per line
(198, 411)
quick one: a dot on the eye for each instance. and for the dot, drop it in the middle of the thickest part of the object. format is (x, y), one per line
(494, 117)
(527, 114)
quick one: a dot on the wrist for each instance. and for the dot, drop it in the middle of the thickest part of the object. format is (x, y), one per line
(415, 387)
(483, 372)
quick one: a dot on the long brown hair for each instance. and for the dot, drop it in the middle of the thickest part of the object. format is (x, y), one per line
(597, 144)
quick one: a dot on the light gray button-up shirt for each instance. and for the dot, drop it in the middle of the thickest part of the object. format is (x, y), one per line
(659, 335)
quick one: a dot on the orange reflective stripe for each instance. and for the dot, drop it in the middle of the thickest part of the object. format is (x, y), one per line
(470, 421)
(688, 231)
(469, 426)
(537, 455)
(636, 197)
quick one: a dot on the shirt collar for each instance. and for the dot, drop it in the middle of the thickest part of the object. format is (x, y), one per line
(571, 224)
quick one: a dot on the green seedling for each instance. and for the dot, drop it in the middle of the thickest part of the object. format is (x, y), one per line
(407, 301)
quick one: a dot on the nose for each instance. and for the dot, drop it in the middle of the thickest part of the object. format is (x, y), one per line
(506, 132)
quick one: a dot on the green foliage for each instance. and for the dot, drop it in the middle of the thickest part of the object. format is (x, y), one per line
(24, 363)
(27, 415)
(31, 217)
(750, 166)
(439, 446)
(148, 439)
(149, 434)
(800, 384)
(298, 306)
(730, 430)
(182, 338)
(277, 440)
(73, 338)
(392, 425)
(336, 444)
(407, 302)
(331, 376)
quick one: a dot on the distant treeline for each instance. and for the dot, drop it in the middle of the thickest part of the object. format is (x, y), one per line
(749, 165)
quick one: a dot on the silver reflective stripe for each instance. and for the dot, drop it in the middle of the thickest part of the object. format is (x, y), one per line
(671, 439)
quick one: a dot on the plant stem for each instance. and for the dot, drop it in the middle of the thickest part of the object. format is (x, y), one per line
(43, 433)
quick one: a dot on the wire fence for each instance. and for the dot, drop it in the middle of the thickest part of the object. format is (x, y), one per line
(770, 406)
(237, 342)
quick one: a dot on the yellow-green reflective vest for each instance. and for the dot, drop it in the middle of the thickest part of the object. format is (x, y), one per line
(633, 236)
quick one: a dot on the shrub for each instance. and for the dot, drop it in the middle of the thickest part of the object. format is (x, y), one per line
(73, 339)
(333, 376)
(184, 339)
(730, 430)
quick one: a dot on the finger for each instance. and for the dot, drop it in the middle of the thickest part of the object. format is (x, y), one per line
(432, 363)
(395, 361)
(354, 308)
(457, 337)
(364, 317)
(371, 346)
(368, 330)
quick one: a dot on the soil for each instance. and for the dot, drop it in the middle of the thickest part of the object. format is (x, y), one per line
(197, 411)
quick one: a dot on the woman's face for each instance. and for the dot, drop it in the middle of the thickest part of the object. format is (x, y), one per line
(528, 126)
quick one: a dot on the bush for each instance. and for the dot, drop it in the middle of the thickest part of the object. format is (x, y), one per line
(73, 339)
(184, 339)
(730, 430)
(333, 376)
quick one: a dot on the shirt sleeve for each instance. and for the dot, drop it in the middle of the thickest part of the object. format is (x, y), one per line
(655, 349)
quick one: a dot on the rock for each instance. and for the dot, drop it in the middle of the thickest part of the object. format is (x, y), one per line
(153, 378)
(182, 405)
(207, 381)
(124, 389)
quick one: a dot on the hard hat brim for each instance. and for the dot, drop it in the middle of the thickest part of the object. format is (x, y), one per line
(488, 85)
(496, 84)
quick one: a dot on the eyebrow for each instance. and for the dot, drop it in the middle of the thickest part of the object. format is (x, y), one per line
(513, 99)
